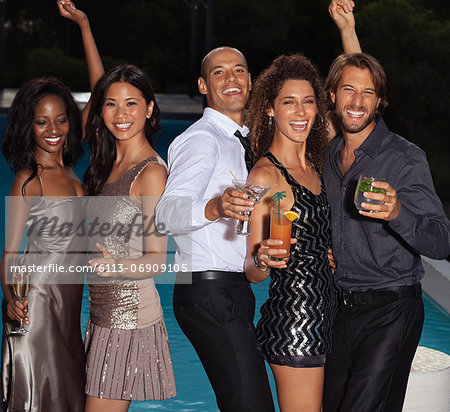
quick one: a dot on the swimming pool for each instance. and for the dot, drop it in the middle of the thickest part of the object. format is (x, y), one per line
(194, 391)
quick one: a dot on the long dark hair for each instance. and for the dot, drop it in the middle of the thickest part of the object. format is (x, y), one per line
(102, 142)
(18, 142)
(264, 92)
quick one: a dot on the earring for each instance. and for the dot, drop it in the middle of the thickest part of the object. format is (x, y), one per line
(65, 145)
(321, 122)
(270, 121)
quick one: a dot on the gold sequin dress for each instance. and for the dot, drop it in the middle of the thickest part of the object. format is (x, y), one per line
(127, 348)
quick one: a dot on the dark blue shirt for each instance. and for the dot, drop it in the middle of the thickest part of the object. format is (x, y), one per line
(372, 253)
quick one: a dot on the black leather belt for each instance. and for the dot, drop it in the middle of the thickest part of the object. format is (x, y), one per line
(377, 296)
(188, 277)
(218, 275)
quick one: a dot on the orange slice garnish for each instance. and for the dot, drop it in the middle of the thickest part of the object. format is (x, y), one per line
(291, 215)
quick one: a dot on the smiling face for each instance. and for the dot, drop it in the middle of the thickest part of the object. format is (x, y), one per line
(51, 124)
(226, 83)
(294, 110)
(356, 101)
(125, 111)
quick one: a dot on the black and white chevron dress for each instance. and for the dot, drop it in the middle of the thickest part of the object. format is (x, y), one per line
(296, 320)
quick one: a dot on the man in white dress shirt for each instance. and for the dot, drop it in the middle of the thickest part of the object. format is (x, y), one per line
(216, 309)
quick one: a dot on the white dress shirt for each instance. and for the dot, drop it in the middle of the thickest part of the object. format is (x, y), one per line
(200, 161)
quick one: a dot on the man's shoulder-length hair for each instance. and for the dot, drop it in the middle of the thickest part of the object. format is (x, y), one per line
(361, 61)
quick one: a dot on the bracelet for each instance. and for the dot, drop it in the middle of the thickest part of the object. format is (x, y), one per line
(258, 266)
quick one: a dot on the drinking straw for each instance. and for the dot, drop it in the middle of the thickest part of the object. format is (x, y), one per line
(276, 198)
(237, 181)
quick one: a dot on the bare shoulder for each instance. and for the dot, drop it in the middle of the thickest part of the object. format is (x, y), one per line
(264, 172)
(32, 188)
(151, 181)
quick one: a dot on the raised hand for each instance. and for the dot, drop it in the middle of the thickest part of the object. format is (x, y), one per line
(95, 67)
(68, 10)
(341, 11)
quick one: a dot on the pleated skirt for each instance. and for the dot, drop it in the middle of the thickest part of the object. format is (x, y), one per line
(133, 365)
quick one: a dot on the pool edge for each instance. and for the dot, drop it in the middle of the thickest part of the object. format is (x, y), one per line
(436, 282)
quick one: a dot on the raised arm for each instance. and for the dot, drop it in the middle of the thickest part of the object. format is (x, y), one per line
(95, 67)
(341, 11)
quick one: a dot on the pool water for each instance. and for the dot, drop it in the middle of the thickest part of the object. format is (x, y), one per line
(194, 391)
(193, 388)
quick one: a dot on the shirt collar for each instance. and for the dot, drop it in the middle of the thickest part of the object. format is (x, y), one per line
(373, 143)
(229, 126)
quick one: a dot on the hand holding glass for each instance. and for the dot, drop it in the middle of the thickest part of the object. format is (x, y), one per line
(21, 286)
(280, 228)
(255, 192)
(365, 185)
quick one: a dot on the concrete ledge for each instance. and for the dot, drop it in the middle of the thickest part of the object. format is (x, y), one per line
(436, 281)
(6, 97)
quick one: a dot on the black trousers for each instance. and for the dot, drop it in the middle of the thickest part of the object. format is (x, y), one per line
(217, 318)
(373, 348)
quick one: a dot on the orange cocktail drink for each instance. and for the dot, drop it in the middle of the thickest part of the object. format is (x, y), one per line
(280, 228)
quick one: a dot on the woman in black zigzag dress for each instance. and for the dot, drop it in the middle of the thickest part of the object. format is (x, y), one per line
(289, 138)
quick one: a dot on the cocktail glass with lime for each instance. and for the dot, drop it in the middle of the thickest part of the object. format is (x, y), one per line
(365, 185)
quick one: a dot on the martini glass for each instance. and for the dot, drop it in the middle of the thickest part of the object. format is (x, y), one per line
(255, 191)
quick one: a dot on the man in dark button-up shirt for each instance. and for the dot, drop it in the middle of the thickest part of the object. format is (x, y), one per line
(373, 253)
(377, 253)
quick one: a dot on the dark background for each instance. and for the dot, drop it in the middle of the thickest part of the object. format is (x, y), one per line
(411, 38)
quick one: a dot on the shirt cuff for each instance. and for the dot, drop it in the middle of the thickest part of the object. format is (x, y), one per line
(198, 214)
(403, 223)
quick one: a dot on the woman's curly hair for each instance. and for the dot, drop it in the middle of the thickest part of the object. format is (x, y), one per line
(264, 92)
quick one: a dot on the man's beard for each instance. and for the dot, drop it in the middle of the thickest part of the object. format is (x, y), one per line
(355, 128)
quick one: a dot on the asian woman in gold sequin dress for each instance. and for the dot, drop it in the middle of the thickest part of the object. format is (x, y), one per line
(128, 356)
(127, 349)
